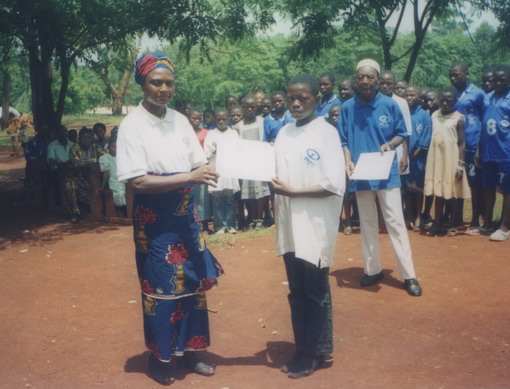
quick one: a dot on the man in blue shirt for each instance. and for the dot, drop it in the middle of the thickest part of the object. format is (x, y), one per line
(326, 87)
(372, 122)
(470, 104)
(495, 151)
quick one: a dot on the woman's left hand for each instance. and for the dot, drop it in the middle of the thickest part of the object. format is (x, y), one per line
(205, 174)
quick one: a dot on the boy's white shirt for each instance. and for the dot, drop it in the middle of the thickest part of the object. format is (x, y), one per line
(307, 156)
(406, 112)
(210, 145)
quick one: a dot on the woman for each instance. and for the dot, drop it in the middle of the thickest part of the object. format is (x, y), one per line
(159, 155)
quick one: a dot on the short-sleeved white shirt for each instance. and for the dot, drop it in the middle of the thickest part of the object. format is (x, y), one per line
(147, 143)
(307, 156)
(406, 112)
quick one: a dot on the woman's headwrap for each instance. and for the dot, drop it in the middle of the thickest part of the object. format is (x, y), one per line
(150, 61)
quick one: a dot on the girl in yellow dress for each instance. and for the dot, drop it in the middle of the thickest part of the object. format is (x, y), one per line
(445, 175)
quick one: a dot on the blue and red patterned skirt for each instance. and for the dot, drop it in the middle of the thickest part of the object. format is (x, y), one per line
(175, 270)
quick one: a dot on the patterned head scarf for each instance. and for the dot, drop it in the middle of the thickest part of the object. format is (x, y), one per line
(370, 63)
(150, 61)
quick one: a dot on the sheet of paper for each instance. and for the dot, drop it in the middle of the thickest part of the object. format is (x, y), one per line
(246, 159)
(373, 166)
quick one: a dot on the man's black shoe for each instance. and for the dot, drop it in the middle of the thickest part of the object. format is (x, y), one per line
(413, 287)
(371, 280)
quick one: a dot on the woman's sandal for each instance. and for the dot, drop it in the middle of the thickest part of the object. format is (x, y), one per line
(192, 362)
(160, 372)
(432, 231)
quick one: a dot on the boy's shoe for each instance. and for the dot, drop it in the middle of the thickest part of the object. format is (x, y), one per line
(259, 224)
(500, 236)
(220, 231)
(486, 230)
(232, 231)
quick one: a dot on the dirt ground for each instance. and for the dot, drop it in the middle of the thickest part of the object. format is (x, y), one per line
(71, 314)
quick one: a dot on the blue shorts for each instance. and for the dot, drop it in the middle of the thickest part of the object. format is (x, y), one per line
(496, 174)
(416, 174)
(474, 174)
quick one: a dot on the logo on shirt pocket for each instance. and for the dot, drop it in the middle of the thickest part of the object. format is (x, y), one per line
(384, 121)
(419, 128)
(311, 157)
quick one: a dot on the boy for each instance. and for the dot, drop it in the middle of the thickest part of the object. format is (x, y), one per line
(326, 87)
(309, 190)
(208, 119)
(346, 89)
(418, 146)
(100, 132)
(400, 88)
(470, 103)
(236, 115)
(495, 151)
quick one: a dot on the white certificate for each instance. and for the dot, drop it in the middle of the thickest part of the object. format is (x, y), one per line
(246, 159)
(373, 166)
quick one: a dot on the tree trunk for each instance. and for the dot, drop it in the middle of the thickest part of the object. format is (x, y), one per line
(117, 104)
(40, 81)
(65, 69)
(6, 88)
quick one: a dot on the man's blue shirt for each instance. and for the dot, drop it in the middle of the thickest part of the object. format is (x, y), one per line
(365, 127)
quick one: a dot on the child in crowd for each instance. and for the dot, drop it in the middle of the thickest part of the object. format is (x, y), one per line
(254, 192)
(278, 117)
(208, 120)
(431, 103)
(346, 89)
(203, 199)
(418, 146)
(236, 114)
(73, 136)
(259, 98)
(309, 187)
(445, 175)
(326, 87)
(223, 194)
(108, 166)
(333, 116)
(400, 88)
(100, 132)
(230, 102)
(488, 80)
(266, 106)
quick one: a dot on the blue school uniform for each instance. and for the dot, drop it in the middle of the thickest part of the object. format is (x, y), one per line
(495, 142)
(470, 104)
(323, 108)
(364, 127)
(420, 138)
(273, 124)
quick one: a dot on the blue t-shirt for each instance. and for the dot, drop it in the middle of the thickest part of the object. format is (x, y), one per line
(323, 108)
(420, 138)
(365, 127)
(470, 104)
(495, 142)
(273, 124)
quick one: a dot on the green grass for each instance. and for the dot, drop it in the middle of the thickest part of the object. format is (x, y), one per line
(224, 240)
(78, 121)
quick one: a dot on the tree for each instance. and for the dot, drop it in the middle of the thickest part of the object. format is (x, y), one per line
(363, 17)
(122, 61)
(56, 33)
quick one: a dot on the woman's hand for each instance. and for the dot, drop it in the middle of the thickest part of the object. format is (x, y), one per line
(205, 174)
(281, 188)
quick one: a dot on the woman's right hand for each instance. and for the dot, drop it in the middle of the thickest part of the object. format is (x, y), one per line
(205, 174)
(349, 168)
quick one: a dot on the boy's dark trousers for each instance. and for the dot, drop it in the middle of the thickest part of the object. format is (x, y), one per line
(310, 306)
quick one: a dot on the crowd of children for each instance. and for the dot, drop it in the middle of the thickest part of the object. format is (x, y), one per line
(445, 157)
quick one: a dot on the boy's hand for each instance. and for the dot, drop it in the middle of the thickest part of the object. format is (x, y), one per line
(458, 174)
(403, 163)
(281, 188)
